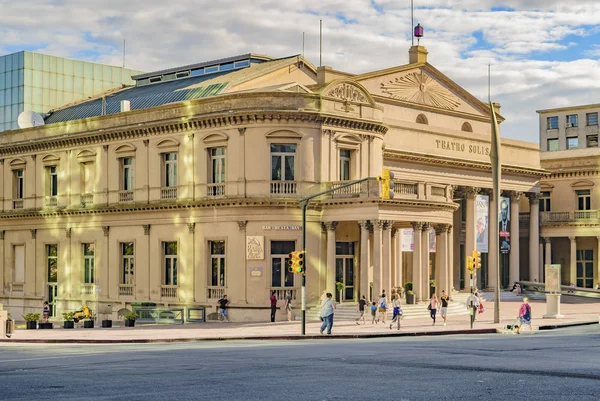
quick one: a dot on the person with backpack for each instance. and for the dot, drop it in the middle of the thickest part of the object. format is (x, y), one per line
(383, 307)
(361, 310)
(374, 313)
(525, 315)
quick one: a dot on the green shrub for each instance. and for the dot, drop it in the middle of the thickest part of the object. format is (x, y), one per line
(68, 316)
(408, 286)
(131, 316)
(31, 317)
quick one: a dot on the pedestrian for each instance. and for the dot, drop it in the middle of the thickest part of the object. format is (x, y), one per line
(444, 309)
(383, 307)
(480, 307)
(223, 303)
(288, 306)
(474, 305)
(45, 312)
(525, 315)
(433, 305)
(598, 286)
(327, 309)
(571, 288)
(374, 313)
(518, 290)
(397, 311)
(361, 309)
(273, 306)
(514, 287)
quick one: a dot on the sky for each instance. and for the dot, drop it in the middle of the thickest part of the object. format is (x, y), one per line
(543, 53)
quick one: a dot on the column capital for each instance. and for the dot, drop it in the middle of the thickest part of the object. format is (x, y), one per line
(378, 224)
(547, 240)
(146, 229)
(573, 239)
(534, 198)
(364, 224)
(191, 228)
(471, 192)
(386, 224)
(426, 226)
(449, 229)
(489, 192)
(33, 233)
(417, 225)
(515, 196)
(105, 230)
(330, 225)
(441, 228)
(394, 231)
(68, 232)
(242, 225)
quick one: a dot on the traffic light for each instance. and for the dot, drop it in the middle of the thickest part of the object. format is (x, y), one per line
(387, 188)
(476, 259)
(296, 262)
(470, 264)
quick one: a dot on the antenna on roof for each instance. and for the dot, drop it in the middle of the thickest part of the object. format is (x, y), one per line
(123, 53)
(320, 43)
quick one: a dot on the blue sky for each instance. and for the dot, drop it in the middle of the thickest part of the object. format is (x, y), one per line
(544, 53)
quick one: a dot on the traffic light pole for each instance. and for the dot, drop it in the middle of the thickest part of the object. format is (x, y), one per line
(304, 203)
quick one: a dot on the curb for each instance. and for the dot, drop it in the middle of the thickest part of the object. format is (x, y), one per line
(567, 325)
(242, 338)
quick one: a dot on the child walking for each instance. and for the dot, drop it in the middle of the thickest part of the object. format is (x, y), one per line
(374, 313)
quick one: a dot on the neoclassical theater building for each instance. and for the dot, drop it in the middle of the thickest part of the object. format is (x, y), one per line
(185, 187)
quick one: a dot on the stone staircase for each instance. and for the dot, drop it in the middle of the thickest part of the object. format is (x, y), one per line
(348, 311)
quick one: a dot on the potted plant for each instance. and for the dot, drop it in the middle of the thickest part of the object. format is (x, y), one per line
(88, 323)
(107, 323)
(31, 319)
(130, 319)
(431, 288)
(68, 322)
(410, 295)
(340, 287)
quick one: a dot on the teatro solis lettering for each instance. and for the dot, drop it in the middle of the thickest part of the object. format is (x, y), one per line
(460, 147)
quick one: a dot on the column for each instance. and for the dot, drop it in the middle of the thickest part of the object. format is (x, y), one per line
(534, 236)
(451, 243)
(425, 262)
(364, 258)
(573, 262)
(493, 251)
(397, 259)
(548, 258)
(394, 263)
(439, 255)
(377, 258)
(471, 233)
(445, 272)
(386, 256)
(330, 227)
(416, 267)
(514, 273)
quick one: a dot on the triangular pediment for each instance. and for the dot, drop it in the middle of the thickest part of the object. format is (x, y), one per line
(422, 86)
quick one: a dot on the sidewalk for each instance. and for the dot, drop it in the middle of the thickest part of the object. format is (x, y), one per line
(574, 314)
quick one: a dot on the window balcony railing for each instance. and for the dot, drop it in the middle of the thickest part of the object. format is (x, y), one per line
(18, 204)
(283, 187)
(126, 290)
(402, 188)
(126, 196)
(282, 292)
(168, 193)
(87, 289)
(354, 190)
(51, 201)
(215, 292)
(87, 199)
(576, 216)
(168, 291)
(217, 189)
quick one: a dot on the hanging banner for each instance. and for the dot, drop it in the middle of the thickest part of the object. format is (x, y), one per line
(481, 222)
(504, 225)
(407, 239)
(432, 240)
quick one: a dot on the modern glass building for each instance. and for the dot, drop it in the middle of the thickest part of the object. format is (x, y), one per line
(39, 82)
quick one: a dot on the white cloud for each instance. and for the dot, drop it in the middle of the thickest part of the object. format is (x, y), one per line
(164, 34)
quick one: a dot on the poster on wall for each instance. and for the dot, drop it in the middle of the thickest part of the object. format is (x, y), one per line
(432, 239)
(504, 225)
(481, 222)
(407, 239)
(255, 247)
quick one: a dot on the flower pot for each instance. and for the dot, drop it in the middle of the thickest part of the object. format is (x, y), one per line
(129, 323)
(68, 324)
(31, 325)
(410, 299)
(45, 326)
(88, 324)
(107, 324)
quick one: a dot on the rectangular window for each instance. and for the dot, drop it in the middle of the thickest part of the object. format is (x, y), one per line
(544, 201)
(584, 199)
(89, 274)
(572, 121)
(585, 268)
(19, 276)
(127, 174)
(572, 143)
(87, 178)
(280, 272)
(217, 262)
(52, 176)
(213, 68)
(552, 122)
(345, 164)
(552, 145)
(52, 262)
(592, 141)
(127, 262)
(282, 162)
(19, 184)
(170, 256)
(170, 163)
(217, 165)
(591, 119)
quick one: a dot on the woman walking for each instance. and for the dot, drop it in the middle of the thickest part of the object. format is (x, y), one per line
(433, 305)
(525, 315)
(397, 311)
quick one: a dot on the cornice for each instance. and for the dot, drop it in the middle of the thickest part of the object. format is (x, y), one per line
(455, 162)
(574, 174)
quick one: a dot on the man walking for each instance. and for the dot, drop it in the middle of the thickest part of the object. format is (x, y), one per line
(327, 308)
(361, 309)
(273, 306)
(223, 303)
(444, 310)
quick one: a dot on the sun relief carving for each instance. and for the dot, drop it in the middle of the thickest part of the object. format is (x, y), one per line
(419, 87)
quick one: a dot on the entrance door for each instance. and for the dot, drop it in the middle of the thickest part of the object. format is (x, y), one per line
(585, 268)
(52, 293)
(344, 269)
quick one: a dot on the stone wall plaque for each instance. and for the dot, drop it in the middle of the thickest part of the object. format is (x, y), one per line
(255, 247)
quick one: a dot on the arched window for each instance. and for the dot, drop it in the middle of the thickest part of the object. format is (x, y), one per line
(467, 127)
(421, 119)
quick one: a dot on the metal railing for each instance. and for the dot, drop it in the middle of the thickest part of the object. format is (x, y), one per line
(126, 196)
(87, 289)
(168, 193)
(353, 190)
(402, 188)
(215, 189)
(18, 204)
(570, 217)
(126, 290)
(168, 291)
(283, 187)
(215, 292)
(51, 201)
(87, 199)
(151, 314)
(282, 292)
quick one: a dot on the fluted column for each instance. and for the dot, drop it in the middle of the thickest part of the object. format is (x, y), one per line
(450, 242)
(443, 272)
(377, 258)
(330, 283)
(548, 258)
(416, 262)
(364, 259)
(425, 261)
(438, 259)
(573, 261)
(397, 261)
(386, 263)
(534, 236)
(514, 273)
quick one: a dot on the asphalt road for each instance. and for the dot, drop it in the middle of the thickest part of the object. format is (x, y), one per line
(557, 365)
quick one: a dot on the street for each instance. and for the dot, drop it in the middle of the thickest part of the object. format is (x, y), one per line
(551, 365)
